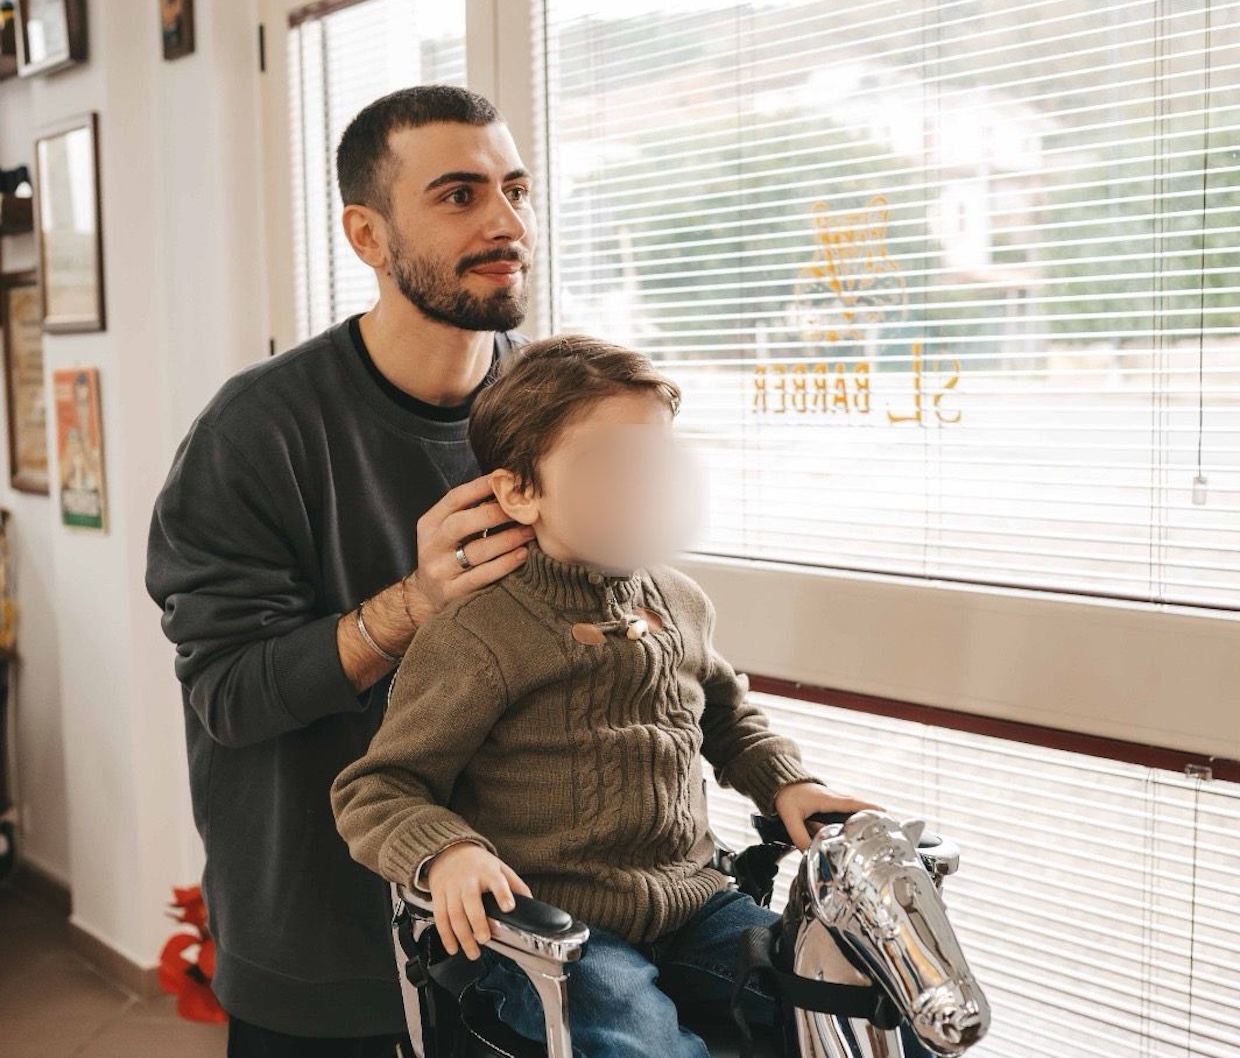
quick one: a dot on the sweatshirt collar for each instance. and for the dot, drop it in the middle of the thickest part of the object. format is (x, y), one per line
(575, 588)
(385, 409)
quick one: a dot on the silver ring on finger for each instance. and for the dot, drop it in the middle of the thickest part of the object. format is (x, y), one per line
(462, 559)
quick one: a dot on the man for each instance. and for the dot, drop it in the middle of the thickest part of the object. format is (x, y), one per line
(284, 553)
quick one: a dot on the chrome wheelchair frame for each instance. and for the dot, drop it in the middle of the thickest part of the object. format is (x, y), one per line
(857, 969)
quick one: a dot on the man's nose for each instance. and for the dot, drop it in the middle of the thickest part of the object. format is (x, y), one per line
(504, 221)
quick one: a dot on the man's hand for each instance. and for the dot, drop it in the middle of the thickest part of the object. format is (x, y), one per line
(796, 803)
(457, 878)
(394, 614)
(453, 522)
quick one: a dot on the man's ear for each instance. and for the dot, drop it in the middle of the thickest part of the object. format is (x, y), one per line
(520, 503)
(366, 234)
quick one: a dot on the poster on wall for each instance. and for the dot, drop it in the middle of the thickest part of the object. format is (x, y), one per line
(79, 448)
(21, 331)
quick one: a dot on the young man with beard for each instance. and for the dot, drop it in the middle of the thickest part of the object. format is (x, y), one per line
(323, 505)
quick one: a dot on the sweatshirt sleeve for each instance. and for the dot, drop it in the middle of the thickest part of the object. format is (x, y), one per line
(737, 739)
(390, 805)
(255, 657)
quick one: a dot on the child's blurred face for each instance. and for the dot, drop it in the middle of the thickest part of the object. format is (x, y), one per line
(615, 491)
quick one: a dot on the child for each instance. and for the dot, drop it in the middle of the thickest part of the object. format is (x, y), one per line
(544, 735)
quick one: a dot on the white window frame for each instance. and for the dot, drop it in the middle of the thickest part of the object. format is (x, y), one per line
(277, 175)
(1154, 674)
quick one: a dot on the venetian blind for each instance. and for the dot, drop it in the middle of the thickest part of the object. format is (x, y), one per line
(951, 286)
(1096, 901)
(341, 57)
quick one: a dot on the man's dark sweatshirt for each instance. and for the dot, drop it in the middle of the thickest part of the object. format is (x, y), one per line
(294, 496)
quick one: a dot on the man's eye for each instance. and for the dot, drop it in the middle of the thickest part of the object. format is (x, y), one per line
(460, 197)
(518, 194)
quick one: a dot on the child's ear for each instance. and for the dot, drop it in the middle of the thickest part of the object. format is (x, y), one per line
(519, 503)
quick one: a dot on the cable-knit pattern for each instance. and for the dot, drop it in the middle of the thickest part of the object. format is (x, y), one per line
(578, 762)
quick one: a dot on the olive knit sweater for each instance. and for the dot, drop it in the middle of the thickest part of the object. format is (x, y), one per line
(577, 763)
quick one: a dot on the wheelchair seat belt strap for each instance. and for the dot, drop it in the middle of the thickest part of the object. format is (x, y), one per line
(851, 1001)
(453, 973)
(755, 869)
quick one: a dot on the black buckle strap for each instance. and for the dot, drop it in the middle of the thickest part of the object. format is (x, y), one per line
(754, 959)
(426, 960)
(755, 870)
(455, 973)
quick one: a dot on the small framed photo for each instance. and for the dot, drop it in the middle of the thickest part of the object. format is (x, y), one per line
(51, 35)
(21, 329)
(177, 20)
(79, 449)
(68, 222)
(8, 41)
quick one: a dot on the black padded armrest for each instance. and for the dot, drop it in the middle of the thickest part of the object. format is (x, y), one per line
(531, 916)
(772, 831)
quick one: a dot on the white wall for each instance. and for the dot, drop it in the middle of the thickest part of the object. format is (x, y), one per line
(100, 740)
(35, 694)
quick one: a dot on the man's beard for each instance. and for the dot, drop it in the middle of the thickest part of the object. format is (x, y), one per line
(434, 289)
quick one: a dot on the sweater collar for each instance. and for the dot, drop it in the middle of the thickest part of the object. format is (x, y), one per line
(575, 588)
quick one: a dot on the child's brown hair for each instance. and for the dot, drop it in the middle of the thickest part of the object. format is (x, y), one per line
(543, 386)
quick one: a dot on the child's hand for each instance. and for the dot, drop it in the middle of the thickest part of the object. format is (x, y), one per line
(457, 878)
(796, 803)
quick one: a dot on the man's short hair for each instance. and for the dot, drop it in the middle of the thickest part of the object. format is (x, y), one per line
(364, 166)
(545, 385)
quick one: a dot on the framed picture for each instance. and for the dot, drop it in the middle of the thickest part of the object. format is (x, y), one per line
(177, 21)
(79, 448)
(8, 41)
(70, 234)
(8, 631)
(21, 330)
(51, 35)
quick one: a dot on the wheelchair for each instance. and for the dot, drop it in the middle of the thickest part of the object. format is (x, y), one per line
(863, 963)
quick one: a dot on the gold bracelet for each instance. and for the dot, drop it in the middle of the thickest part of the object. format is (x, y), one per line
(361, 628)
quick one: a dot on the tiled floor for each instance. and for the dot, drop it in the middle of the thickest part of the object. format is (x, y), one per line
(54, 1004)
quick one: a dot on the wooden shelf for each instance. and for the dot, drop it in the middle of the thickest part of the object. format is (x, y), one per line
(16, 215)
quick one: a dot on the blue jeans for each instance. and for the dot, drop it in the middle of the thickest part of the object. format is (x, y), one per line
(615, 1006)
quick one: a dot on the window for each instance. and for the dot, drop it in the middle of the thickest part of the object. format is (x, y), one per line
(1095, 900)
(341, 57)
(951, 286)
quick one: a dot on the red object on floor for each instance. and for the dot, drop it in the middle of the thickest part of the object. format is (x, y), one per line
(190, 979)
